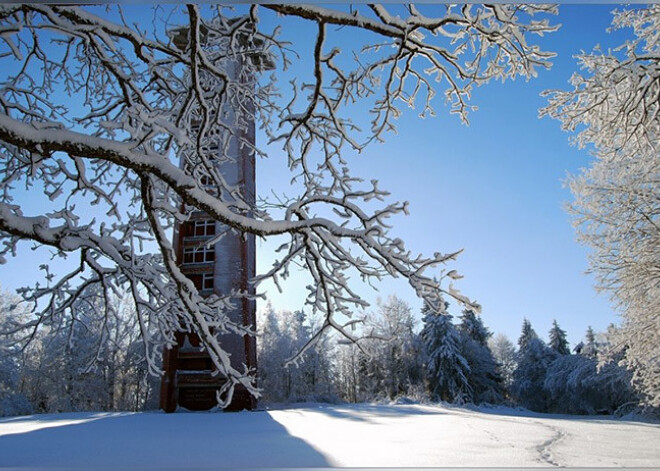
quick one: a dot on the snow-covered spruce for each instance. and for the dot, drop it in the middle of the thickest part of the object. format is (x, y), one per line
(447, 370)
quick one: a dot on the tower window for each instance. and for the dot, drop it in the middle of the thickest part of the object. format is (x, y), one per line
(203, 228)
(192, 255)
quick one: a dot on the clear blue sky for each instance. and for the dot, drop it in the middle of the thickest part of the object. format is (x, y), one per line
(493, 188)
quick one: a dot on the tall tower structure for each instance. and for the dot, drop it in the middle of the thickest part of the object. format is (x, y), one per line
(225, 266)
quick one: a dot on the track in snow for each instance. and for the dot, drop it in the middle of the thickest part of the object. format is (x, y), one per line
(545, 448)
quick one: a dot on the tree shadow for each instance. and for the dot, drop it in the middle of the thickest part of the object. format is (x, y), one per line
(154, 440)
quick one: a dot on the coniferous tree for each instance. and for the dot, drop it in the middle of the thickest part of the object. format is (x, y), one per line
(534, 358)
(446, 368)
(590, 349)
(526, 334)
(472, 326)
(558, 342)
(484, 379)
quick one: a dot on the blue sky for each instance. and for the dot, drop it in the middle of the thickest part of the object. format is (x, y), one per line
(493, 188)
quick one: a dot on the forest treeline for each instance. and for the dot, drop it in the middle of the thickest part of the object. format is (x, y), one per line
(98, 363)
(442, 358)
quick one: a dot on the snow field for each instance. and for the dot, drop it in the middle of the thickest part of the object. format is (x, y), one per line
(324, 435)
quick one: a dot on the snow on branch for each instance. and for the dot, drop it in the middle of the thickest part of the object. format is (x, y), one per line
(613, 109)
(126, 130)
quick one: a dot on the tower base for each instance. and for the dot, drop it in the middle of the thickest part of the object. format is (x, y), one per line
(189, 381)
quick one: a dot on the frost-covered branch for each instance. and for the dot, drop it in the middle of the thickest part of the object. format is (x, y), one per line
(613, 109)
(127, 130)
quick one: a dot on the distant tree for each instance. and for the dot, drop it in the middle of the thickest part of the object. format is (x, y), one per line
(298, 374)
(417, 387)
(397, 357)
(569, 382)
(447, 370)
(284, 376)
(355, 380)
(527, 333)
(91, 362)
(473, 327)
(533, 361)
(504, 353)
(272, 353)
(318, 367)
(589, 347)
(558, 342)
(614, 109)
(13, 400)
(484, 378)
(577, 385)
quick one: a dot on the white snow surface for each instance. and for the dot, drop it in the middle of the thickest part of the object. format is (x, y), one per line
(319, 435)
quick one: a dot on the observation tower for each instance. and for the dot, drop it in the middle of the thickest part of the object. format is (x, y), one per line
(224, 266)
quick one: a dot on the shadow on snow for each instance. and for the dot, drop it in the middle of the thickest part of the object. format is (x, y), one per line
(245, 439)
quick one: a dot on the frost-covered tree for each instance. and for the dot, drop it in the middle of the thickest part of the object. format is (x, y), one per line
(504, 353)
(94, 364)
(473, 327)
(397, 323)
(447, 370)
(310, 377)
(484, 378)
(589, 348)
(349, 359)
(534, 358)
(272, 353)
(395, 363)
(388, 362)
(527, 333)
(577, 385)
(13, 400)
(557, 340)
(569, 382)
(614, 105)
(131, 118)
(591, 382)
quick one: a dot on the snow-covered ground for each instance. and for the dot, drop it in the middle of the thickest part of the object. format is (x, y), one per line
(323, 435)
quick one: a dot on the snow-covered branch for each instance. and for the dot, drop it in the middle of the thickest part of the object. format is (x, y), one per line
(127, 130)
(613, 109)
